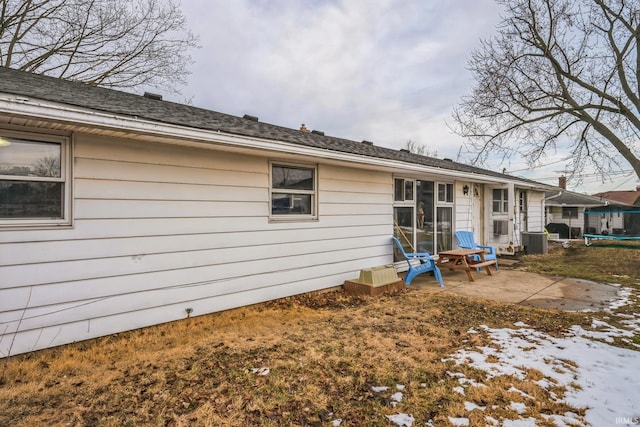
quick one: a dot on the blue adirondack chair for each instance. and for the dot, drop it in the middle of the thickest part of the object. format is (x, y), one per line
(467, 241)
(426, 264)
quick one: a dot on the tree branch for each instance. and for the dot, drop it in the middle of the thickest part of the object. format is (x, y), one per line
(554, 65)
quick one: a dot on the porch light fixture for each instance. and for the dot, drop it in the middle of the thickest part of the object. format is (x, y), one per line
(465, 189)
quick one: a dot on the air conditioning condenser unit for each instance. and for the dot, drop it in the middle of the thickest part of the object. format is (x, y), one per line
(535, 243)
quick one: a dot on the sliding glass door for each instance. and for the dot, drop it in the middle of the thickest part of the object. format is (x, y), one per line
(425, 224)
(445, 228)
(423, 220)
(404, 228)
(403, 214)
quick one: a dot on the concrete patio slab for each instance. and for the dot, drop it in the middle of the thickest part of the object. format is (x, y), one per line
(521, 287)
(492, 293)
(574, 294)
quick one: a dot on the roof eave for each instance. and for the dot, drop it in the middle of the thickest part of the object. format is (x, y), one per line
(189, 136)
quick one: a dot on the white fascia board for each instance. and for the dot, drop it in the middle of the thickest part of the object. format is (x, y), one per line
(184, 135)
(574, 205)
(532, 186)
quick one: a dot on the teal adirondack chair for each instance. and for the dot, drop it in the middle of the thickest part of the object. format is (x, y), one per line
(426, 264)
(467, 241)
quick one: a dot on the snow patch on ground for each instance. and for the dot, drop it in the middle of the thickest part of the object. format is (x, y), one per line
(522, 422)
(470, 406)
(596, 376)
(459, 421)
(396, 398)
(459, 390)
(606, 332)
(518, 407)
(402, 420)
(623, 296)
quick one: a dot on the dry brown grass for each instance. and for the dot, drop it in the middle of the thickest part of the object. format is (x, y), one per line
(604, 261)
(324, 353)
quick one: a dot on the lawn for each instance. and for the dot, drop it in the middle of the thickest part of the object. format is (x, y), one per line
(329, 359)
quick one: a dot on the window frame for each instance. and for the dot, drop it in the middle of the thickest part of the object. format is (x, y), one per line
(403, 187)
(568, 210)
(503, 201)
(449, 193)
(523, 202)
(66, 178)
(313, 216)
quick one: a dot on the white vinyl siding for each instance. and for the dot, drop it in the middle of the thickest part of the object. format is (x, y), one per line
(161, 228)
(464, 206)
(556, 216)
(535, 211)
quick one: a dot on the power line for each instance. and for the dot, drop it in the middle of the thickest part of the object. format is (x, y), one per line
(548, 164)
(589, 175)
(623, 183)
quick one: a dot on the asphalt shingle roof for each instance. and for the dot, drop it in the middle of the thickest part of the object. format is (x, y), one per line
(122, 103)
(629, 197)
(569, 198)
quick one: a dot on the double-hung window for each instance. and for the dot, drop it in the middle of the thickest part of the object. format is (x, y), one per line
(293, 191)
(34, 180)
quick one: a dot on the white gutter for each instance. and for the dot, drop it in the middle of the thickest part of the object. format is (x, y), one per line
(39, 109)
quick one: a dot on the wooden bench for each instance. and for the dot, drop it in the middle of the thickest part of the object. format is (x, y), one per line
(483, 264)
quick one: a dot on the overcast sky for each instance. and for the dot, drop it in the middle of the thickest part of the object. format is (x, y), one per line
(386, 71)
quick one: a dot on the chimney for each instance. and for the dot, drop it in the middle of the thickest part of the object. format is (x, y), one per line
(303, 128)
(562, 182)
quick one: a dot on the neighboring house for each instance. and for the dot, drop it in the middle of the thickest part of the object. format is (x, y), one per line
(120, 211)
(565, 211)
(614, 220)
(626, 198)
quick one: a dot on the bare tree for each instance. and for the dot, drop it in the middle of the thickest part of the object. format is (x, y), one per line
(112, 43)
(414, 147)
(47, 166)
(558, 74)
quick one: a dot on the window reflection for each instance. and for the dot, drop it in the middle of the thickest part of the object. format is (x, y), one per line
(29, 158)
(403, 230)
(30, 199)
(292, 178)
